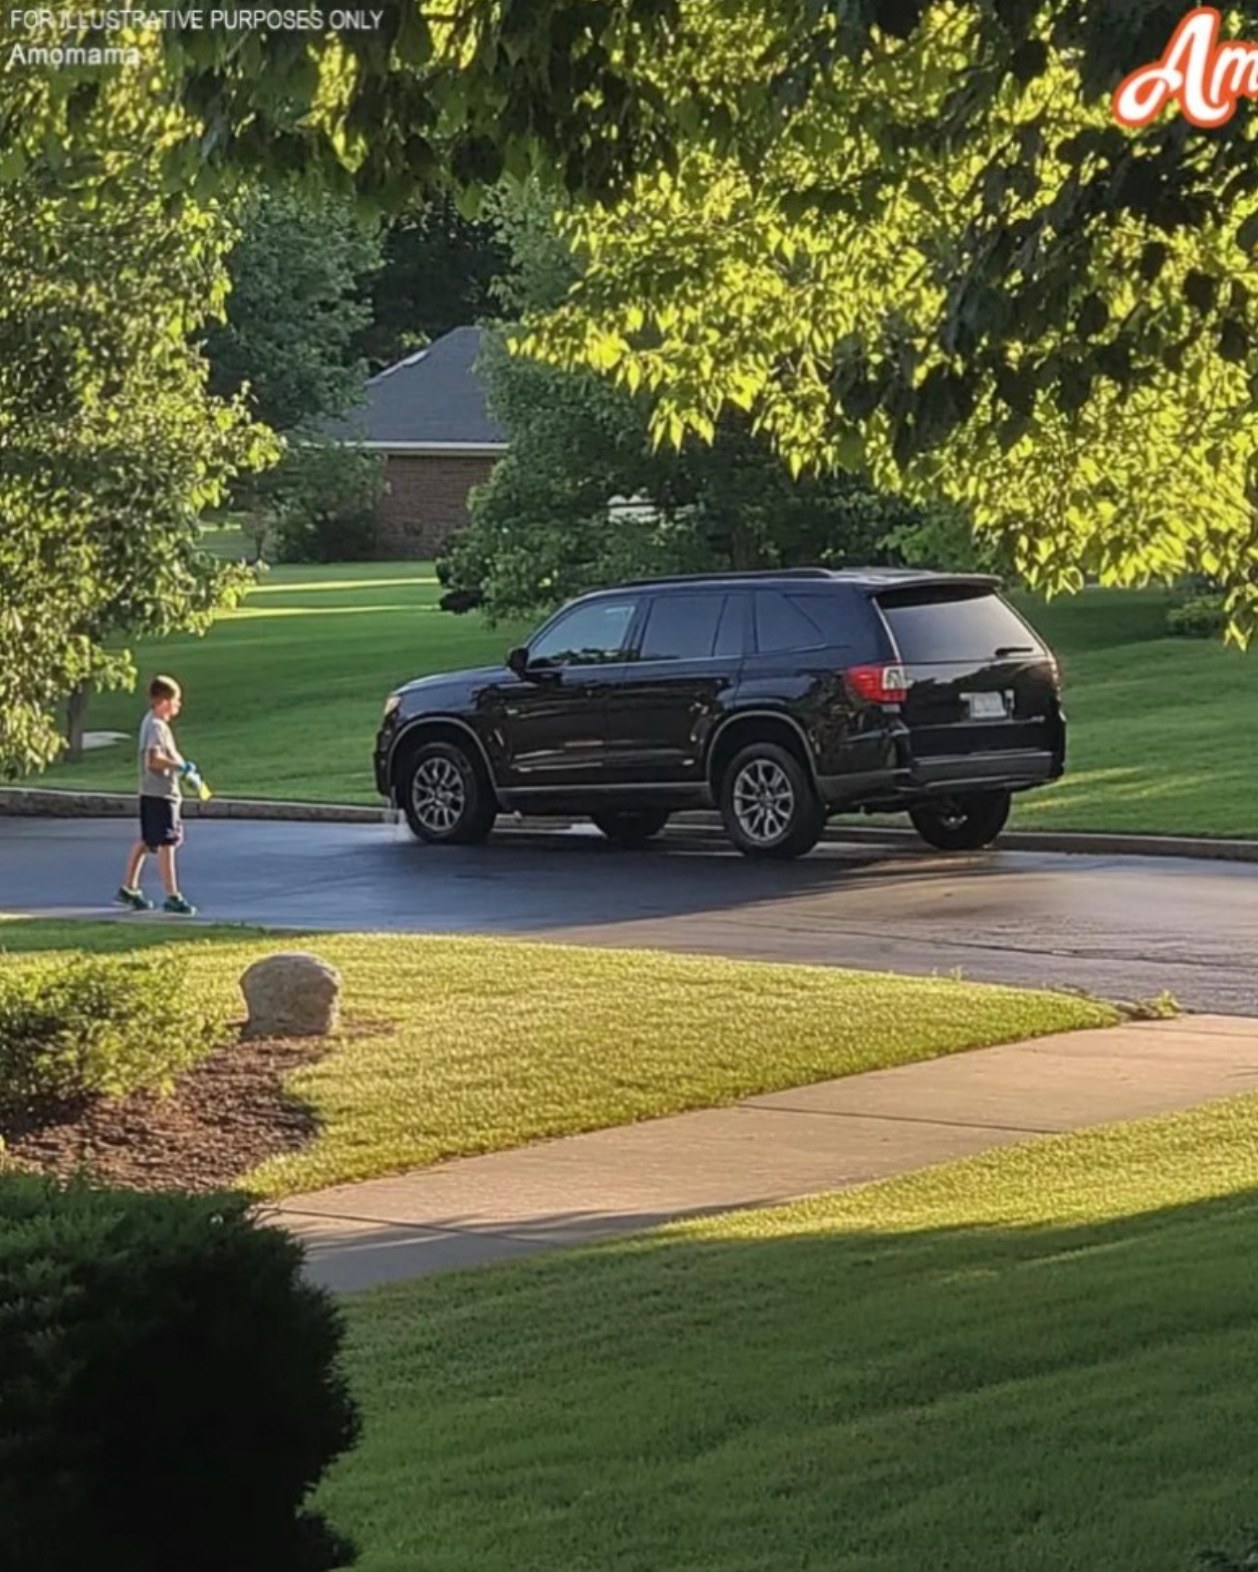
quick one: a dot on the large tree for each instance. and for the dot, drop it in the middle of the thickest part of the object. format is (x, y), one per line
(912, 222)
(297, 272)
(111, 444)
(947, 269)
(583, 496)
(435, 274)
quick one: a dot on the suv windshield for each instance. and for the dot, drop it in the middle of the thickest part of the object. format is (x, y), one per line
(955, 623)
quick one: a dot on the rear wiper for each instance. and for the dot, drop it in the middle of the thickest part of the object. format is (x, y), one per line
(1014, 649)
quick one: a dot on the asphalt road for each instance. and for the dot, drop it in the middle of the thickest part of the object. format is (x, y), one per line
(1121, 927)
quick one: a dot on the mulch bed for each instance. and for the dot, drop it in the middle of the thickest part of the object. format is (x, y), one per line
(223, 1117)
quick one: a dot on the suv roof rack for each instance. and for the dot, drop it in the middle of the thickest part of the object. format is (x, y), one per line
(744, 573)
(871, 578)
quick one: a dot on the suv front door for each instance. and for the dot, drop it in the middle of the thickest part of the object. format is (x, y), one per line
(553, 722)
(667, 699)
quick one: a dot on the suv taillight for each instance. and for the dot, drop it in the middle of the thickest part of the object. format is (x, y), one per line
(879, 684)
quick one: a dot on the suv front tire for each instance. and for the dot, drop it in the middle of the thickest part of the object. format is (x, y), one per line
(768, 803)
(446, 797)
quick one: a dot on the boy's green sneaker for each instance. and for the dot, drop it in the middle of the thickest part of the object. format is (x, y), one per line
(135, 899)
(177, 904)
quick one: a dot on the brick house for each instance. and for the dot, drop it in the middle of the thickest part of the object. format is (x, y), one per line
(426, 417)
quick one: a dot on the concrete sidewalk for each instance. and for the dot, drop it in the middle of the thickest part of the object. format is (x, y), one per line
(766, 1149)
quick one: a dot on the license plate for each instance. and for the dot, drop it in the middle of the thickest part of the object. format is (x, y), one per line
(986, 706)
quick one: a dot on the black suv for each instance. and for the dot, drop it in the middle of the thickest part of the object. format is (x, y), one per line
(780, 698)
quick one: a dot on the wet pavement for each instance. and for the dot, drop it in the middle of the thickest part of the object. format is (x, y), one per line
(1119, 926)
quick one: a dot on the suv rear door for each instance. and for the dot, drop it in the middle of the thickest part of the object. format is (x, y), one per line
(665, 701)
(980, 679)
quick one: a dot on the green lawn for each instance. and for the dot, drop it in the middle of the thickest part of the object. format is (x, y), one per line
(1161, 729)
(472, 1045)
(1041, 1359)
(283, 696)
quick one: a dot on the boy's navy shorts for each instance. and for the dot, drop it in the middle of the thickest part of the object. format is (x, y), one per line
(160, 823)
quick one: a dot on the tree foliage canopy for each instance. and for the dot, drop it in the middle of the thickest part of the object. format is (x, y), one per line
(944, 266)
(295, 308)
(900, 236)
(111, 445)
(583, 497)
(435, 274)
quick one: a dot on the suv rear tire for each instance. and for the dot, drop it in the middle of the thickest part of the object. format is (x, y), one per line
(631, 829)
(446, 796)
(768, 803)
(962, 823)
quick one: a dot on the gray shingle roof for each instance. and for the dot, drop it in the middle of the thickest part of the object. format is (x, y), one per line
(432, 397)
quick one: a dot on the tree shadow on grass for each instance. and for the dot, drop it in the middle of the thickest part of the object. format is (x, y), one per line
(840, 1396)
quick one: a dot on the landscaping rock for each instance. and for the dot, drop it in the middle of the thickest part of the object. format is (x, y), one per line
(292, 994)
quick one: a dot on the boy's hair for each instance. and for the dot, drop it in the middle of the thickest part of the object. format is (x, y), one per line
(164, 688)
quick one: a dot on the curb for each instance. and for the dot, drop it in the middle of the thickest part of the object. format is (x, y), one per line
(19, 801)
(1076, 843)
(44, 802)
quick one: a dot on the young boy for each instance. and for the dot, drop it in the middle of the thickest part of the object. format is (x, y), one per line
(161, 831)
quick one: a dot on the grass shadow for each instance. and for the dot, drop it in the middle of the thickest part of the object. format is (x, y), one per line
(802, 1389)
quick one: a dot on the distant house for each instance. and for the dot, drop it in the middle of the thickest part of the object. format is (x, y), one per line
(427, 417)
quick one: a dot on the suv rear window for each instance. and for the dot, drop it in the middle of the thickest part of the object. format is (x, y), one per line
(954, 623)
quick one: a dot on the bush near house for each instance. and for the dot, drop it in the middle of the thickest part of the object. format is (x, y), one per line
(325, 501)
(169, 1387)
(1197, 617)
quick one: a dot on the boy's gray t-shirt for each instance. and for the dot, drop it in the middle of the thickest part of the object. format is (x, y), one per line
(155, 733)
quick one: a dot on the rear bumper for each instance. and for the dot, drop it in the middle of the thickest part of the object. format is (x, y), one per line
(942, 775)
(1029, 767)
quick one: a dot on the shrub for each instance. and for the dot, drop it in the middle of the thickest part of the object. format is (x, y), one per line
(97, 1025)
(1198, 617)
(169, 1390)
(326, 503)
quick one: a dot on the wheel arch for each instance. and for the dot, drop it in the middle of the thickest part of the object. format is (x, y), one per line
(748, 726)
(438, 728)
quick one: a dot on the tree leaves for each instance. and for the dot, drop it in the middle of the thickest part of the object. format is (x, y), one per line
(112, 447)
(1029, 60)
(1234, 341)
(1093, 317)
(1200, 291)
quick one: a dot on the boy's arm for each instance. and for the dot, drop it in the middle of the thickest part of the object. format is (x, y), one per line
(164, 756)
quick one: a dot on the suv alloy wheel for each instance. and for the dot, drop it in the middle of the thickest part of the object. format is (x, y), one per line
(768, 803)
(962, 823)
(445, 796)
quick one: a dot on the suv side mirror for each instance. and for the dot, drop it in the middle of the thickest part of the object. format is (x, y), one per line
(518, 660)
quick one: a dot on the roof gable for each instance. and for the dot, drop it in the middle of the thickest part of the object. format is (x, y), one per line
(433, 397)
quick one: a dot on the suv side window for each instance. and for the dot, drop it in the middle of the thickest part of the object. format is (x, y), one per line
(783, 624)
(681, 627)
(732, 636)
(591, 635)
